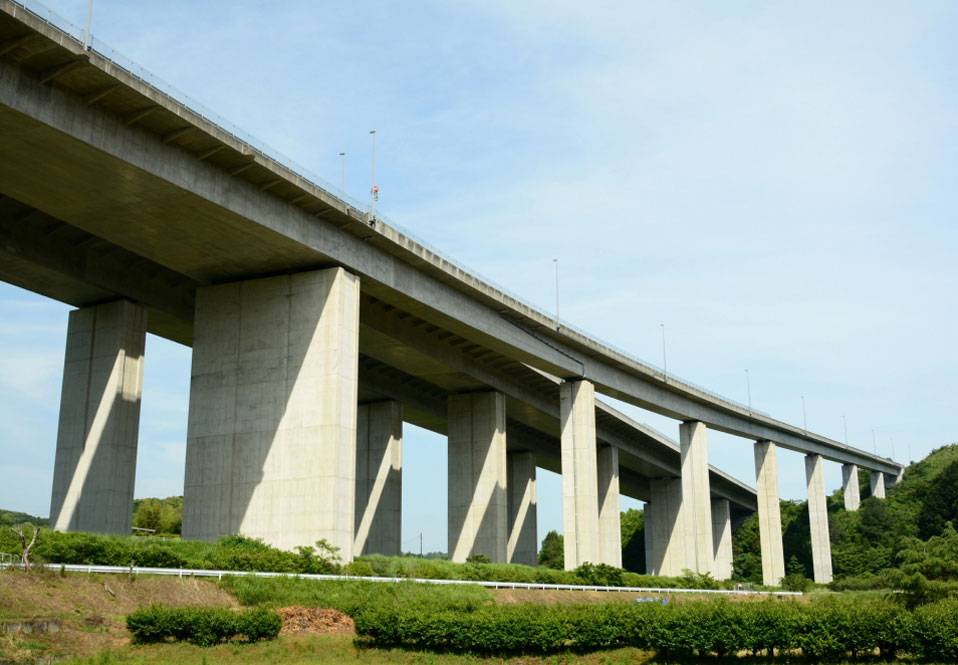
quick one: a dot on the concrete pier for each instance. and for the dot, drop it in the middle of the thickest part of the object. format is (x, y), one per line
(769, 514)
(722, 538)
(670, 551)
(818, 519)
(877, 483)
(648, 518)
(271, 442)
(580, 498)
(696, 497)
(850, 487)
(379, 479)
(610, 531)
(522, 545)
(477, 476)
(95, 462)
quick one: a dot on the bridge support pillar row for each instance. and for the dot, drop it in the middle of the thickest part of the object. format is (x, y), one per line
(95, 462)
(722, 538)
(769, 514)
(696, 497)
(668, 534)
(850, 487)
(379, 479)
(580, 497)
(877, 484)
(271, 441)
(521, 491)
(610, 531)
(477, 476)
(818, 519)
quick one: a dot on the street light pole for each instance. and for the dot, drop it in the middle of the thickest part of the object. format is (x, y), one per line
(845, 426)
(665, 364)
(86, 36)
(804, 416)
(342, 183)
(374, 190)
(748, 384)
(556, 262)
(874, 442)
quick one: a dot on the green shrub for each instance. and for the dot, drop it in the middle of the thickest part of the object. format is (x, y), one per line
(359, 569)
(203, 625)
(936, 630)
(796, 582)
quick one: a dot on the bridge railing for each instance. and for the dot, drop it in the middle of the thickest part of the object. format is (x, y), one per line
(98, 46)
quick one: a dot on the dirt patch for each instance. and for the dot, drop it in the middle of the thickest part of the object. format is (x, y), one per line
(298, 620)
(91, 609)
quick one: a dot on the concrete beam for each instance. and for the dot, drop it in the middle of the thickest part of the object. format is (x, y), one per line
(580, 497)
(850, 487)
(696, 497)
(769, 514)
(271, 441)
(477, 476)
(610, 531)
(95, 463)
(379, 479)
(670, 551)
(818, 518)
(522, 546)
(722, 538)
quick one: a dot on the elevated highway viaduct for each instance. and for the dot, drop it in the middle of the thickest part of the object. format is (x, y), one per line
(317, 331)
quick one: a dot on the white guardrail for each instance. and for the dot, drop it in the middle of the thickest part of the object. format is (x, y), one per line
(220, 574)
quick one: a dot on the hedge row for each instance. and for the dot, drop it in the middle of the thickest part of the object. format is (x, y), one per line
(203, 625)
(829, 629)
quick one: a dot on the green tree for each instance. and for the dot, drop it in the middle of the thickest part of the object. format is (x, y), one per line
(632, 525)
(552, 552)
(940, 504)
(929, 570)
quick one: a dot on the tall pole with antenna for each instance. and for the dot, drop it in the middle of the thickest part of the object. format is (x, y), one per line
(342, 182)
(374, 189)
(86, 35)
(556, 262)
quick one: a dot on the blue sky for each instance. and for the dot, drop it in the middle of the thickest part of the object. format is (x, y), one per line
(775, 182)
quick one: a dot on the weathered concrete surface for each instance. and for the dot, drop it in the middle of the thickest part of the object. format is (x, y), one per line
(696, 497)
(850, 487)
(95, 463)
(722, 538)
(522, 546)
(877, 482)
(379, 479)
(769, 514)
(670, 551)
(580, 495)
(271, 441)
(818, 519)
(610, 531)
(477, 476)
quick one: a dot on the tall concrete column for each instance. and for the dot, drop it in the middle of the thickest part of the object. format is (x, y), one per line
(696, 497)
(877, 483)
(271, 442)
(477, 476)
(379, 479)
(670, 552)
(580, 496)
(769, 514)
(95, 463)
(610, 530)
(523, 542)
(722, 538)
(850, 487)
(648, 519)
(818, 518)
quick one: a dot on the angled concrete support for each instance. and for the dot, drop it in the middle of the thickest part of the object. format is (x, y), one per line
(670, 551)
(696, 497)
(769, 514)
(877, 484)
(271, 442)
(850, 487)
(722, 538)
(580, 497)
(818, 518)
(379, 479)
(99, 419)
(522, 545)
(477, 476)
(610, 531)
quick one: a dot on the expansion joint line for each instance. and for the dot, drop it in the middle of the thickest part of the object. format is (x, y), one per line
(543, 341)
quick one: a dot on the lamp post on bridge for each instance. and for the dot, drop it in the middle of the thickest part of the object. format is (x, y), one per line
(665, 365)
(804, 416)
(86, 35)
(374, 190)
(342, 182)
(748, 384)
(556, 262)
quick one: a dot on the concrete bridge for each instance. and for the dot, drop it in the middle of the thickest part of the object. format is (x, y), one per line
(317, 331)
